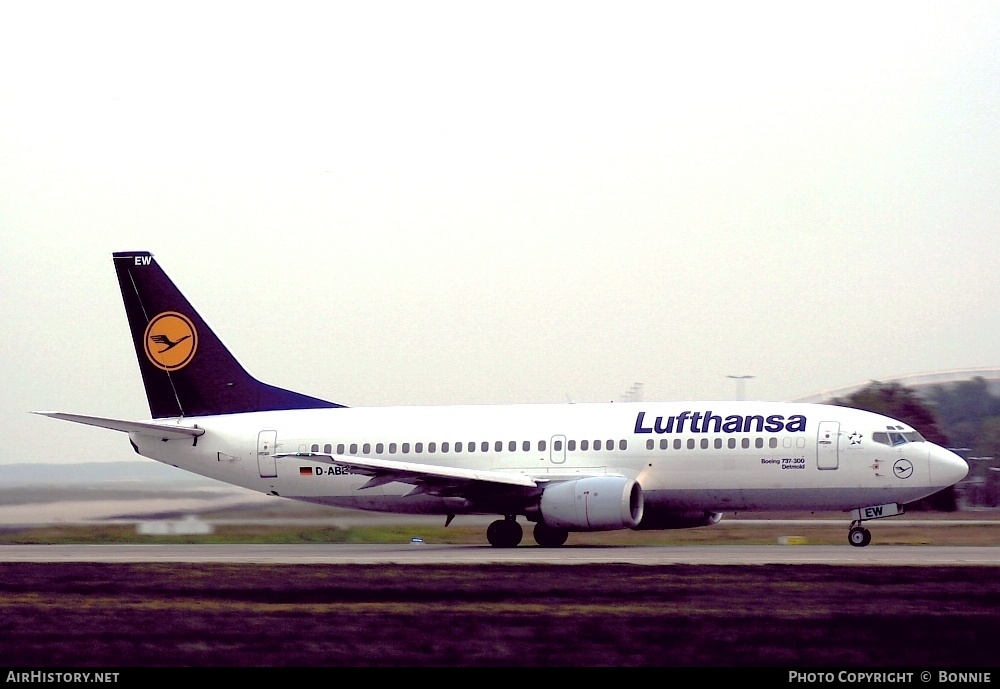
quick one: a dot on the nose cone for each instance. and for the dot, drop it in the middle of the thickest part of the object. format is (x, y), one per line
(946, 467)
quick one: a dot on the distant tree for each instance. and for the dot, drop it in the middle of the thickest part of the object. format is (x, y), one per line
(987, 441)
(964, 409)
(900, 402)
(970, 414)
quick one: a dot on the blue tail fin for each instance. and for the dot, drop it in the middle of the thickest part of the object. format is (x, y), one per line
(186, 369)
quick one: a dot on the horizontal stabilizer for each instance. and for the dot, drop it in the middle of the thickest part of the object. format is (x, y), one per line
(156, 430)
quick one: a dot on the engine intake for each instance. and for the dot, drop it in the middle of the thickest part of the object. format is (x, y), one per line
(599, 503)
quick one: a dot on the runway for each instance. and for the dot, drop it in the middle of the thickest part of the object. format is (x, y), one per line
(428, 554)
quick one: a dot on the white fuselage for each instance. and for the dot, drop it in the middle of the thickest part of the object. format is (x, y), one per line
(712, 456)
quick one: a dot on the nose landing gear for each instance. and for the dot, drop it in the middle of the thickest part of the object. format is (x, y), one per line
(859, 536)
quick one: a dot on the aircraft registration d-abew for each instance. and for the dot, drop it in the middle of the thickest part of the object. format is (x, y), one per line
(564, 467)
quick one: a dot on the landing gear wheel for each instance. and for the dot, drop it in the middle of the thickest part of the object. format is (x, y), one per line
(548, 536)
(859, 536)
(504, 533)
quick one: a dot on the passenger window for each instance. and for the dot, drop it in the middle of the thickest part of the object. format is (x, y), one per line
(512, 446)
(354, 448)
(664, 443)
(392, 448)
(485, 447)
(597, 445)
(418, 448)
(526, 446)
(541, 446)
(718, 443)
(340, 448)
(367, 448)
(584, 444)
(622, 444)
(458, 446)
(732, 443)
(498, 446)
(328, 449)
(773, 442)
(444, 447)
(677, 443)
(704, 443)
(609, 445)
(650, 444)
(406, 448)
(557, 445)
(758, 443)
(571, 445)
(315, 448)
(471, 447)
(379, 448)
(432, 447)
(690, 443)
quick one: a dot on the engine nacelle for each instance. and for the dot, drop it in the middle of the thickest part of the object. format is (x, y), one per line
(599, 503)
(661, 520)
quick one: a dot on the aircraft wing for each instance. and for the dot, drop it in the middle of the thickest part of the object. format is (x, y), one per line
(156, 430)
(426, 478)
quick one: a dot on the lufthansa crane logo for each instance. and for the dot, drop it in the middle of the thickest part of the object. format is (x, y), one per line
(170, 341)
(903, 468)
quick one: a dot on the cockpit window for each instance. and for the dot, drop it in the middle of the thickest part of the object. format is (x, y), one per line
(897, 437)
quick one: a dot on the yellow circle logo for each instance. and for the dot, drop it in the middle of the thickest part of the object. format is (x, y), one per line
(171, 341)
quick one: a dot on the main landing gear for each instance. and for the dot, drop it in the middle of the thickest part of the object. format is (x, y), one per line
(507, 533)
(549, 536)
(504, 533)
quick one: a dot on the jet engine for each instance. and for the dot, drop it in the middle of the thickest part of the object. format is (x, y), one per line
(599, 503)
(657, 520)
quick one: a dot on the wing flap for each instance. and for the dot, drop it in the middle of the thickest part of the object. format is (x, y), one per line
(386, 471)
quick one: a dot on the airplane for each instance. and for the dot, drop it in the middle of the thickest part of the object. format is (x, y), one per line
(563, 467)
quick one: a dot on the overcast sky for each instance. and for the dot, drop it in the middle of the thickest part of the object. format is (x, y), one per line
(395, 203)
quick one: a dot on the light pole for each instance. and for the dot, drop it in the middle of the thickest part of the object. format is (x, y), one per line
(634, 393)
(741, 383)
